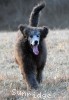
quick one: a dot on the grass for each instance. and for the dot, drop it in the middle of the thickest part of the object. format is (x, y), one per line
(55, 85)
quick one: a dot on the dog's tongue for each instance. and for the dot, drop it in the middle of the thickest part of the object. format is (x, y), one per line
(35, 50)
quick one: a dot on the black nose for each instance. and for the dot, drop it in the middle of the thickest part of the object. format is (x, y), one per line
(36, 42)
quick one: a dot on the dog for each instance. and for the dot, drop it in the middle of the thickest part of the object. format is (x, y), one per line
(30, 49)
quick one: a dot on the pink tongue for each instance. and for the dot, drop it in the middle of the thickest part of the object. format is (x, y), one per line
(35, 50)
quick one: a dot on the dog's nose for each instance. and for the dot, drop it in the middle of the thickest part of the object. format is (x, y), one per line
(36, 42)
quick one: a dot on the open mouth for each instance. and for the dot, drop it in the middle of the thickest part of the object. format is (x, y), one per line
(35, 49)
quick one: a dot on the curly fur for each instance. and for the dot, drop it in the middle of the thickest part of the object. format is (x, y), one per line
(31, 65)
(33, 21)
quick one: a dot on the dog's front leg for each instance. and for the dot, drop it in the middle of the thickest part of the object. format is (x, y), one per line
(29, 70)
(39, 73)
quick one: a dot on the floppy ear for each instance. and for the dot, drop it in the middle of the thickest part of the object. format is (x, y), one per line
(44, 31)
(21, 27)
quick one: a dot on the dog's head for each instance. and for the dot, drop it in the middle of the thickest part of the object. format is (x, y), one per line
(34, 35)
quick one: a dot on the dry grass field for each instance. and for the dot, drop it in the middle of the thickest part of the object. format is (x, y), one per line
(55, 85)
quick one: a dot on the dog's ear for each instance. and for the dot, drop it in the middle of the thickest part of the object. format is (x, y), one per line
(44, 31)
(21, 27)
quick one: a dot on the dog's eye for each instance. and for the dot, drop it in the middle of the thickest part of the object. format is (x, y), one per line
(37, 35)
(31, 36)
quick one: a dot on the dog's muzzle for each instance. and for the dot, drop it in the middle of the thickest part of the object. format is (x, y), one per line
(34, 43)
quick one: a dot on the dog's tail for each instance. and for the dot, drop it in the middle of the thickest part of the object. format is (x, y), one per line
(33, 20)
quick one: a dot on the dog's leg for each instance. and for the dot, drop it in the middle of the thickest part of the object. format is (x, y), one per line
(39, 74)
(31, 79)
(29, 70)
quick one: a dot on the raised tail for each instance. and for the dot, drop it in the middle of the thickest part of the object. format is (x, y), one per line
(33, 20)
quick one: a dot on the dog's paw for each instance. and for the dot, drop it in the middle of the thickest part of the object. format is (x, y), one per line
(35, 87)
